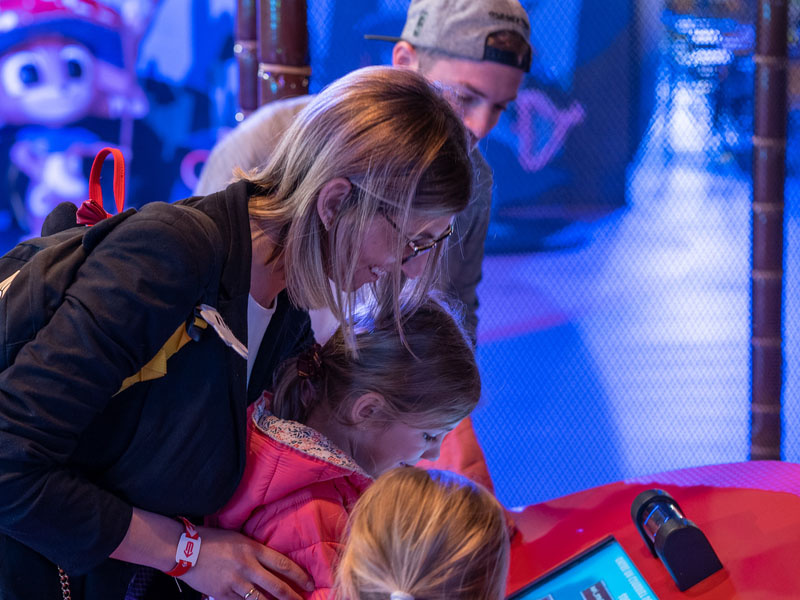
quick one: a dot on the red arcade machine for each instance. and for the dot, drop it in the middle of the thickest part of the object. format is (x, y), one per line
(587, 546)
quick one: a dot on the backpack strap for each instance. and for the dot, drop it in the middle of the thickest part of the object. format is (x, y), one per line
(157, 367)
(67, 249)
(92, 211)
(192, 328)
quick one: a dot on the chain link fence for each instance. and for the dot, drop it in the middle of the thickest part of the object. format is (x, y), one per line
(614, 336)
(615, 306)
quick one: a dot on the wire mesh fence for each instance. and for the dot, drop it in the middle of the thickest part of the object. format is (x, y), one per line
(614, 335)
(615, 307)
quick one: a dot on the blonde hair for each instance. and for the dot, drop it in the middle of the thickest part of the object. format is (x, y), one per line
(430, 380)
(405, 152)
(432, 535)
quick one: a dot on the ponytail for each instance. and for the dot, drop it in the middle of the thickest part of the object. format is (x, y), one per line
(297, 385)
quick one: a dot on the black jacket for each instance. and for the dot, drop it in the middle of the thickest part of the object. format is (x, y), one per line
(75, 458)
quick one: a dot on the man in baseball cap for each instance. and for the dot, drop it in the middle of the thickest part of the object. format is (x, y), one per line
(478, 51)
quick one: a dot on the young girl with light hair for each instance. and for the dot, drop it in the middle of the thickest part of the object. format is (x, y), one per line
(424, 535)
(338, 420)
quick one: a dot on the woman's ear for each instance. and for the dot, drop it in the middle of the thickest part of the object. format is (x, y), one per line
(367, 407)
(330, 199)
(404, 55)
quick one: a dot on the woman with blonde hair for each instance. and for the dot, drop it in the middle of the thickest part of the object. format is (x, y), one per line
(358, 153)
(93, 477)
(424, 535)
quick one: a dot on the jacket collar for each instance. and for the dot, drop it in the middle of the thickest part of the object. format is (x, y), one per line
(302, 438)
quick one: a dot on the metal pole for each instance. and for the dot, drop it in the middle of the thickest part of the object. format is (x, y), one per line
(283, 68)
(769, 173)
(245, 48)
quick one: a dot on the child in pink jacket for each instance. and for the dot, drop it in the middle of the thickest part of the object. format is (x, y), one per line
(336, 421)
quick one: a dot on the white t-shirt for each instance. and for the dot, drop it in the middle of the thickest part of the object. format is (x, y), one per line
(323, 323)
(258, 319)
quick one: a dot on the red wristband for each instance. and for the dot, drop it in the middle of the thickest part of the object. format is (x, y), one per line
(188, 550)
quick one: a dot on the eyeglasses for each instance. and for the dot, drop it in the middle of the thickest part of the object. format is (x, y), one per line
(418, 248)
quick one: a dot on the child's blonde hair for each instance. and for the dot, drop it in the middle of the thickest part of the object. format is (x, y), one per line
(428, 379)
(405, 152)
(431, 535)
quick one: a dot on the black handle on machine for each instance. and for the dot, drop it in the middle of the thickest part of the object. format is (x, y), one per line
(679, 543)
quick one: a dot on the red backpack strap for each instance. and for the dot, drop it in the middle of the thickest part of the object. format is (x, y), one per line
(91, 211)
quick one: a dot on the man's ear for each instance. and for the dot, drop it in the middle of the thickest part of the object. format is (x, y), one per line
(404, 55)
(366, 408)
(330, 199)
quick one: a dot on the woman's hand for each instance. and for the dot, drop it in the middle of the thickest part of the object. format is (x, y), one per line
(230, 565)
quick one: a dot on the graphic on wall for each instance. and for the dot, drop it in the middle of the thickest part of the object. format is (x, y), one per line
(561, 152)
(78, 75)
(61, 63)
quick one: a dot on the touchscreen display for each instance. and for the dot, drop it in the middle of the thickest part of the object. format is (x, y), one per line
(603, 572)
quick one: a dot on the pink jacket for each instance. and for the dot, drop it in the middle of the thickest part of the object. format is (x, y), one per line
(295, 495)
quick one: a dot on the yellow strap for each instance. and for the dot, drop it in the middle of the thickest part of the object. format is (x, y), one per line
(157, 367)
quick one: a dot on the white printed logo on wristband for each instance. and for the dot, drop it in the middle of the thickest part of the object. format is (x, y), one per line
(188, 549)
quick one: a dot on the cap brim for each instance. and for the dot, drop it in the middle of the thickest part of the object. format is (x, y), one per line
(382, 38)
